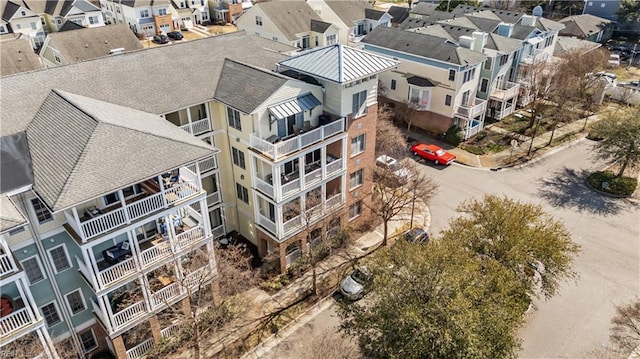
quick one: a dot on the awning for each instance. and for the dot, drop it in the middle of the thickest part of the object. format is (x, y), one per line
(290, 108)
(420, 81)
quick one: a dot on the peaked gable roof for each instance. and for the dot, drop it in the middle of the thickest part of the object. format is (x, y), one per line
(10, 215)
(583, 25)
(566, 44)
(244, 87)
(373, 14)
(338, 63)
(17, 56)
(423, 8)
(320, 26)
(80, 148)
(349, 11)
(398, 14)
(290, 17)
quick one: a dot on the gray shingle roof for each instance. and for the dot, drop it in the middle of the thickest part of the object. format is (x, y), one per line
(83, 148)
(90, 43)
(290, 17)
(583, 25)
(339, 63)
(565, 44)
(10, 216)
(423, 8)
(420, 81)
(176, 67)
(9, 9)
(398, 14)
(244, 87)
(435, 30)
(549, 25)
(373, 14)
(460, 22)
(521, 32)
(412, 23)
(427, 46)
(349, 11)
(486, 25)
(17, 56)
(319, 26)
(502, 43)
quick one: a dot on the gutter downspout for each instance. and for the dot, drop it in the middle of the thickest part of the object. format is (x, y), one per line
(51, 275)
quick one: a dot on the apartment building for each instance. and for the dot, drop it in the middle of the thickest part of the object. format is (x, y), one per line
(17, 18)
(187, 13)
(229, 10)
(143, 17)
(130, 188)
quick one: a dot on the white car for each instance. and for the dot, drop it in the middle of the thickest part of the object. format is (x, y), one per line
(353, 286)
(614, 60)
(394, 166)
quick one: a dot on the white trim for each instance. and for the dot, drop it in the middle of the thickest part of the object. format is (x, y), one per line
(23, 244)
(53, 264)
(84, 303)
(86, 324)
(44, 275)
(55, 304)
(53, 232)
(95, 340)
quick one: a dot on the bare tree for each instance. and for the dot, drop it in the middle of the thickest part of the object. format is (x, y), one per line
(326, 345)
(625, 330)
(389, 138)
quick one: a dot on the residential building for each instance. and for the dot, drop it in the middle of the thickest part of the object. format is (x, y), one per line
(229, 10)
(588, 27)
(17, 18)
(144, 17)
(16, 55)
(187, 13)
(565, 44)
(56, 13)
(290, 22)
(437, 77)
(606, 9)
(398, 15)
(67, 47)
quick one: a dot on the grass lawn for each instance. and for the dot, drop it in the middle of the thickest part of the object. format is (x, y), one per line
(625, 75)
(486, 142)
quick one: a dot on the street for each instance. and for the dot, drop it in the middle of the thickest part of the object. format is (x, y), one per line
(575, 321)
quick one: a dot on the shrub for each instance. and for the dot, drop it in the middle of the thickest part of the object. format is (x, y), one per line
(607, 182)
(453, 136)
(275, 283)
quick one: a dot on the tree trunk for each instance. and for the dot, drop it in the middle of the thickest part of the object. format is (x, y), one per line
(533, 136)
(624, 167)
(553, 131)
(384, 232)
(196, 340)
(314, 284)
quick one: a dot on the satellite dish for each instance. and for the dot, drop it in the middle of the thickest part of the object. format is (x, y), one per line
(537, 11)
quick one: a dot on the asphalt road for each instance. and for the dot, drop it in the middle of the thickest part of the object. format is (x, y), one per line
(576, 321)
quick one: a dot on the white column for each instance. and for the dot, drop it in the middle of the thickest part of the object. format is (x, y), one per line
(323, 162)
(124, 206)
(47, 345)
(74, 210)
(105, 307)
(26, 294)
(135, 249)
(277, 182)
(164, 195)
(91, 263)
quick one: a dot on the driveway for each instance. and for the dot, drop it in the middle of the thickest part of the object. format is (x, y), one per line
(575, 321)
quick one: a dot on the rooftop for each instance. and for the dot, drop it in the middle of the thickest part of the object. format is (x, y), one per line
(17, 56)
(290, 17)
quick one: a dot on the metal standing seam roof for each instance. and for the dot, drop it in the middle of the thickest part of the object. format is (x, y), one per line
(338, 63)
(10, 215)
(290, 108)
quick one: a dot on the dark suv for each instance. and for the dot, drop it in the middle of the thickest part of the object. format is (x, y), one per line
(161, 39)
(175, 35)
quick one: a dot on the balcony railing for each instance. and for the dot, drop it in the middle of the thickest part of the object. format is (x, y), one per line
(285, 147)
(7, 264)
(264, 187)
(197, 278)
(213, 198)
(190, 237)
(170, 331)
(334, 201)
(206, 165)
(510, 90)
(15, 321)
(218, 231)
(267, 223)
(155, 254)
(537, 56)
(116, 272)
(197, 127)
(313, 176)
(292, 224)
(128, 315)
(334, 167)
(140, 350)
(478, 108)
(167, 295)
(289, 187)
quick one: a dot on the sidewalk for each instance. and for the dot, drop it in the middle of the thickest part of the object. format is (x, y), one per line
(257, 303)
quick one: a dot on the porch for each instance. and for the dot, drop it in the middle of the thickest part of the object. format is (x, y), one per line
(7, 261)
(19, 314)
(470, 111)
(505, 92)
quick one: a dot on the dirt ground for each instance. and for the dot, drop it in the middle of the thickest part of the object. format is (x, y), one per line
(624, 74)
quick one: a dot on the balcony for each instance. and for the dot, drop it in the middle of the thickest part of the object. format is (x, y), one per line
(206, 165)
(155, 197)
(276, 148)
(197, 127)
(166, 296)
(140, 350)
(509, 90)
(536, 57)
(15, 321)
(472, 111)
(7, 264)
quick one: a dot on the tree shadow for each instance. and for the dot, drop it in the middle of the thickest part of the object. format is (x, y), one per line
(567, 188)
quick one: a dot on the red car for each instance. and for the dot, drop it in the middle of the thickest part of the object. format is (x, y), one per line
(432, 153)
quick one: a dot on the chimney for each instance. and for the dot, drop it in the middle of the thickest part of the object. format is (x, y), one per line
(479, 41)
(505, 30)
(466, 41)
(528, 20)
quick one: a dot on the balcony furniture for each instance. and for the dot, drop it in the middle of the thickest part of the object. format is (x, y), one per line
(92, 212)
(164, 280)
(117, 253)
(331, 158)
(273, 139)
(6, 305)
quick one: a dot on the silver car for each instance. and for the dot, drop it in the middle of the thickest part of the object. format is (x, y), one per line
(353, 286)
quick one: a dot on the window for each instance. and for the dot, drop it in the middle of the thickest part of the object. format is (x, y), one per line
(42, 212)
(355, 210)
(243, 193)
(274, 38)
(233, 117)
(420, 97)
(317, 41)
(15, 231)
(452, 75)
(88, 340)
(238, 157)
(50, 314)
(393, 84)
(111, 198)
(483, 85)
(357, 145)
(331, 39)
(468, 75)
(18, 27)
(487, 64)
(447, 100)
(356, 179)
(144, 13)
(75, 301)
(259, 20)
(33, 269)
(503, 59)
(33, 26)
(162, 12)
(359, 107)
(93, 20)
(602, 5)
(3, 29)
(59, 258)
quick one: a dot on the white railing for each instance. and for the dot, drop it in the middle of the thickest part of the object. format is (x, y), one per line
(334, 166)
(170, 331)
(267, 223)
(334, 201)
(197, 278)
(313, 213)
(218, 231)
(537, 56)
(479, 107)
(180, 192)
(213, 198)
(7, 265)
(155, 253)
(14, 321)
(165, 295)
(195, 214)
(208, 164)
(200, 126)
(264, 187)
(313, 176)
(117, 272)
(290, 186)
(510, 90)
(72, 222)
(283, 148)
(140, 350)
(129, 314)
(291, 224)
(104, 223)
(145, 206)
(190, 237)
(86, 271)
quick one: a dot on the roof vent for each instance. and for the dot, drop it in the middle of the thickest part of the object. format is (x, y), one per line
(106, 42)
(86, 46)
(117, 51)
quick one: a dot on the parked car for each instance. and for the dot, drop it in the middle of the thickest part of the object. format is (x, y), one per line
(416, 235)
(394, 166)
(614, 60)
(175, 35)
(432, 153)
(354, 285)
(161, 39)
